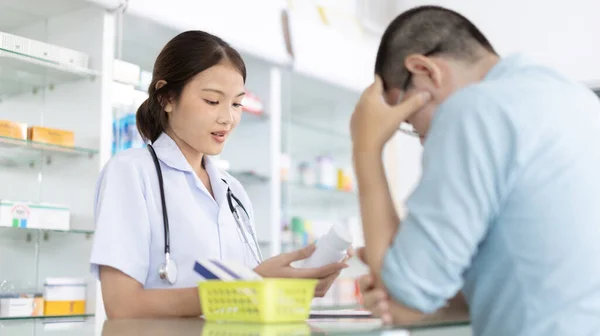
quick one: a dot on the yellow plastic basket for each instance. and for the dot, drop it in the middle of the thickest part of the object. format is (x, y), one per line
(266, 301)
(245, 329)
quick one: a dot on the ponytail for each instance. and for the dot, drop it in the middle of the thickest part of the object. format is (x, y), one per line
(151, 120)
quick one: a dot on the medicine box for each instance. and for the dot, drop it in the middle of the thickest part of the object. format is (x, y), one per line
(64, 296)
(34, 216)
(43, 51)
(12, 129)
(51, 136)
(21, 305)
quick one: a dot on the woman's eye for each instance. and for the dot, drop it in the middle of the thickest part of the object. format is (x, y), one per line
(237, 105)
(211, 102)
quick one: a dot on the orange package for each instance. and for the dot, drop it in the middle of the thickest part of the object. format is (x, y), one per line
(11, 129)
(51, 136)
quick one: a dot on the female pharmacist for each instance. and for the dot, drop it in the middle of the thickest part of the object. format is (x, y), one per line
(161, 208)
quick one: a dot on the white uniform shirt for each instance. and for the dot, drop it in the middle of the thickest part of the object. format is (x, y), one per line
(129, 223)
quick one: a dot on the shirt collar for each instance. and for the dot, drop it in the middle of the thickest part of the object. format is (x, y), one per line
(169, 153)
(505, 65)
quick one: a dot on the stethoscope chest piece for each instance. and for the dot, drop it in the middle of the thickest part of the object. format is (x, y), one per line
(168, 270)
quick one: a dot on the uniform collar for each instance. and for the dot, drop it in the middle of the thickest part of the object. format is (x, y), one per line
(170, 154)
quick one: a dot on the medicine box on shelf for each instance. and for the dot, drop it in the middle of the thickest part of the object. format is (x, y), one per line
(34, 216)
(64, 296)
(43, 51)
(51, 136)
(21, 305)
(13, 129)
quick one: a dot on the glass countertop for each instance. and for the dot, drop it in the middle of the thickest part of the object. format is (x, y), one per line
(197, 326)
(84, 325)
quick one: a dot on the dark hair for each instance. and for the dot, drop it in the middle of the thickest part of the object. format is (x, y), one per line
(182, 58)
(426, 30)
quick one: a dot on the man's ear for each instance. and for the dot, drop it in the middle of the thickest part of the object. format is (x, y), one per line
(423, 67)
(167, 105)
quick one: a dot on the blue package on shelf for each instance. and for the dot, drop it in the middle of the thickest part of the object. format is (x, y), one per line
(125, 134)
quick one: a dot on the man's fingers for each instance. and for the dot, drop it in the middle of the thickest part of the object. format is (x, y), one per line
(411, 105)
(372, 299)
(365, 283)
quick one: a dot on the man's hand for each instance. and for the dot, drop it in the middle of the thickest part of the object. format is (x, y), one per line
(376, 300)
(374, 122)
(279, 267)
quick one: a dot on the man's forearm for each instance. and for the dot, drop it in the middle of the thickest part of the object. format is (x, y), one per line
(379, 217)
(455, 310)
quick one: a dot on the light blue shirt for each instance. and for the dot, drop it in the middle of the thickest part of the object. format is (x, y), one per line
(129, 223)
(508, 207)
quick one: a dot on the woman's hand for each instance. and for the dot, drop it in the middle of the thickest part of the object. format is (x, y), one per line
(279, 267)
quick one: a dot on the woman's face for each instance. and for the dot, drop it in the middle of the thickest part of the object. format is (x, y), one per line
(208, 109)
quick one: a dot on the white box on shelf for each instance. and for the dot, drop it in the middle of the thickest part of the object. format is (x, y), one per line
(27, 305)
(34, 215)
(44, 51)
(126, 73)
(14, 43)
(73, 57)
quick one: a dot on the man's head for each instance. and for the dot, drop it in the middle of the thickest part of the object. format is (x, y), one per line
(431, 49)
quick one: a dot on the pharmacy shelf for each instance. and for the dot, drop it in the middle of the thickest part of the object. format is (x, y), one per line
(17, 152)
(298, 194)
(57, 317)
(5, 230)
(306, 138)
(249, 117)
(249, 177)
(21, 73)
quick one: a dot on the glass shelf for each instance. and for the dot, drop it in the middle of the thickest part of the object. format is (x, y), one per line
(21, 73)
(58, 317)
(16, 152)
(301, 194)
(248, 177)
(9, 230)
(249, 117)
(307, 138)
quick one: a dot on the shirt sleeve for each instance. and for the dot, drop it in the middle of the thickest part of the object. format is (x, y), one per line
(466, 167)
(122, 237)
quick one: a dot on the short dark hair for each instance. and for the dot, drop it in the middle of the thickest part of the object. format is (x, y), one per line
(182, 58)
(426, 30)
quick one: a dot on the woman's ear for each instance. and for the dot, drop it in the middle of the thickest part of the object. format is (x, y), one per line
(166, 103)
(423, 67)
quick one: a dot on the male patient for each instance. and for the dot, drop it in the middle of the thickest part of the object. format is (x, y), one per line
(507, 210)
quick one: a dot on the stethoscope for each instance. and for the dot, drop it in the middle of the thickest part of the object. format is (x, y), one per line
(168, 270)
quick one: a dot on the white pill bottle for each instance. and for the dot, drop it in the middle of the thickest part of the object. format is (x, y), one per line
(331, 248)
